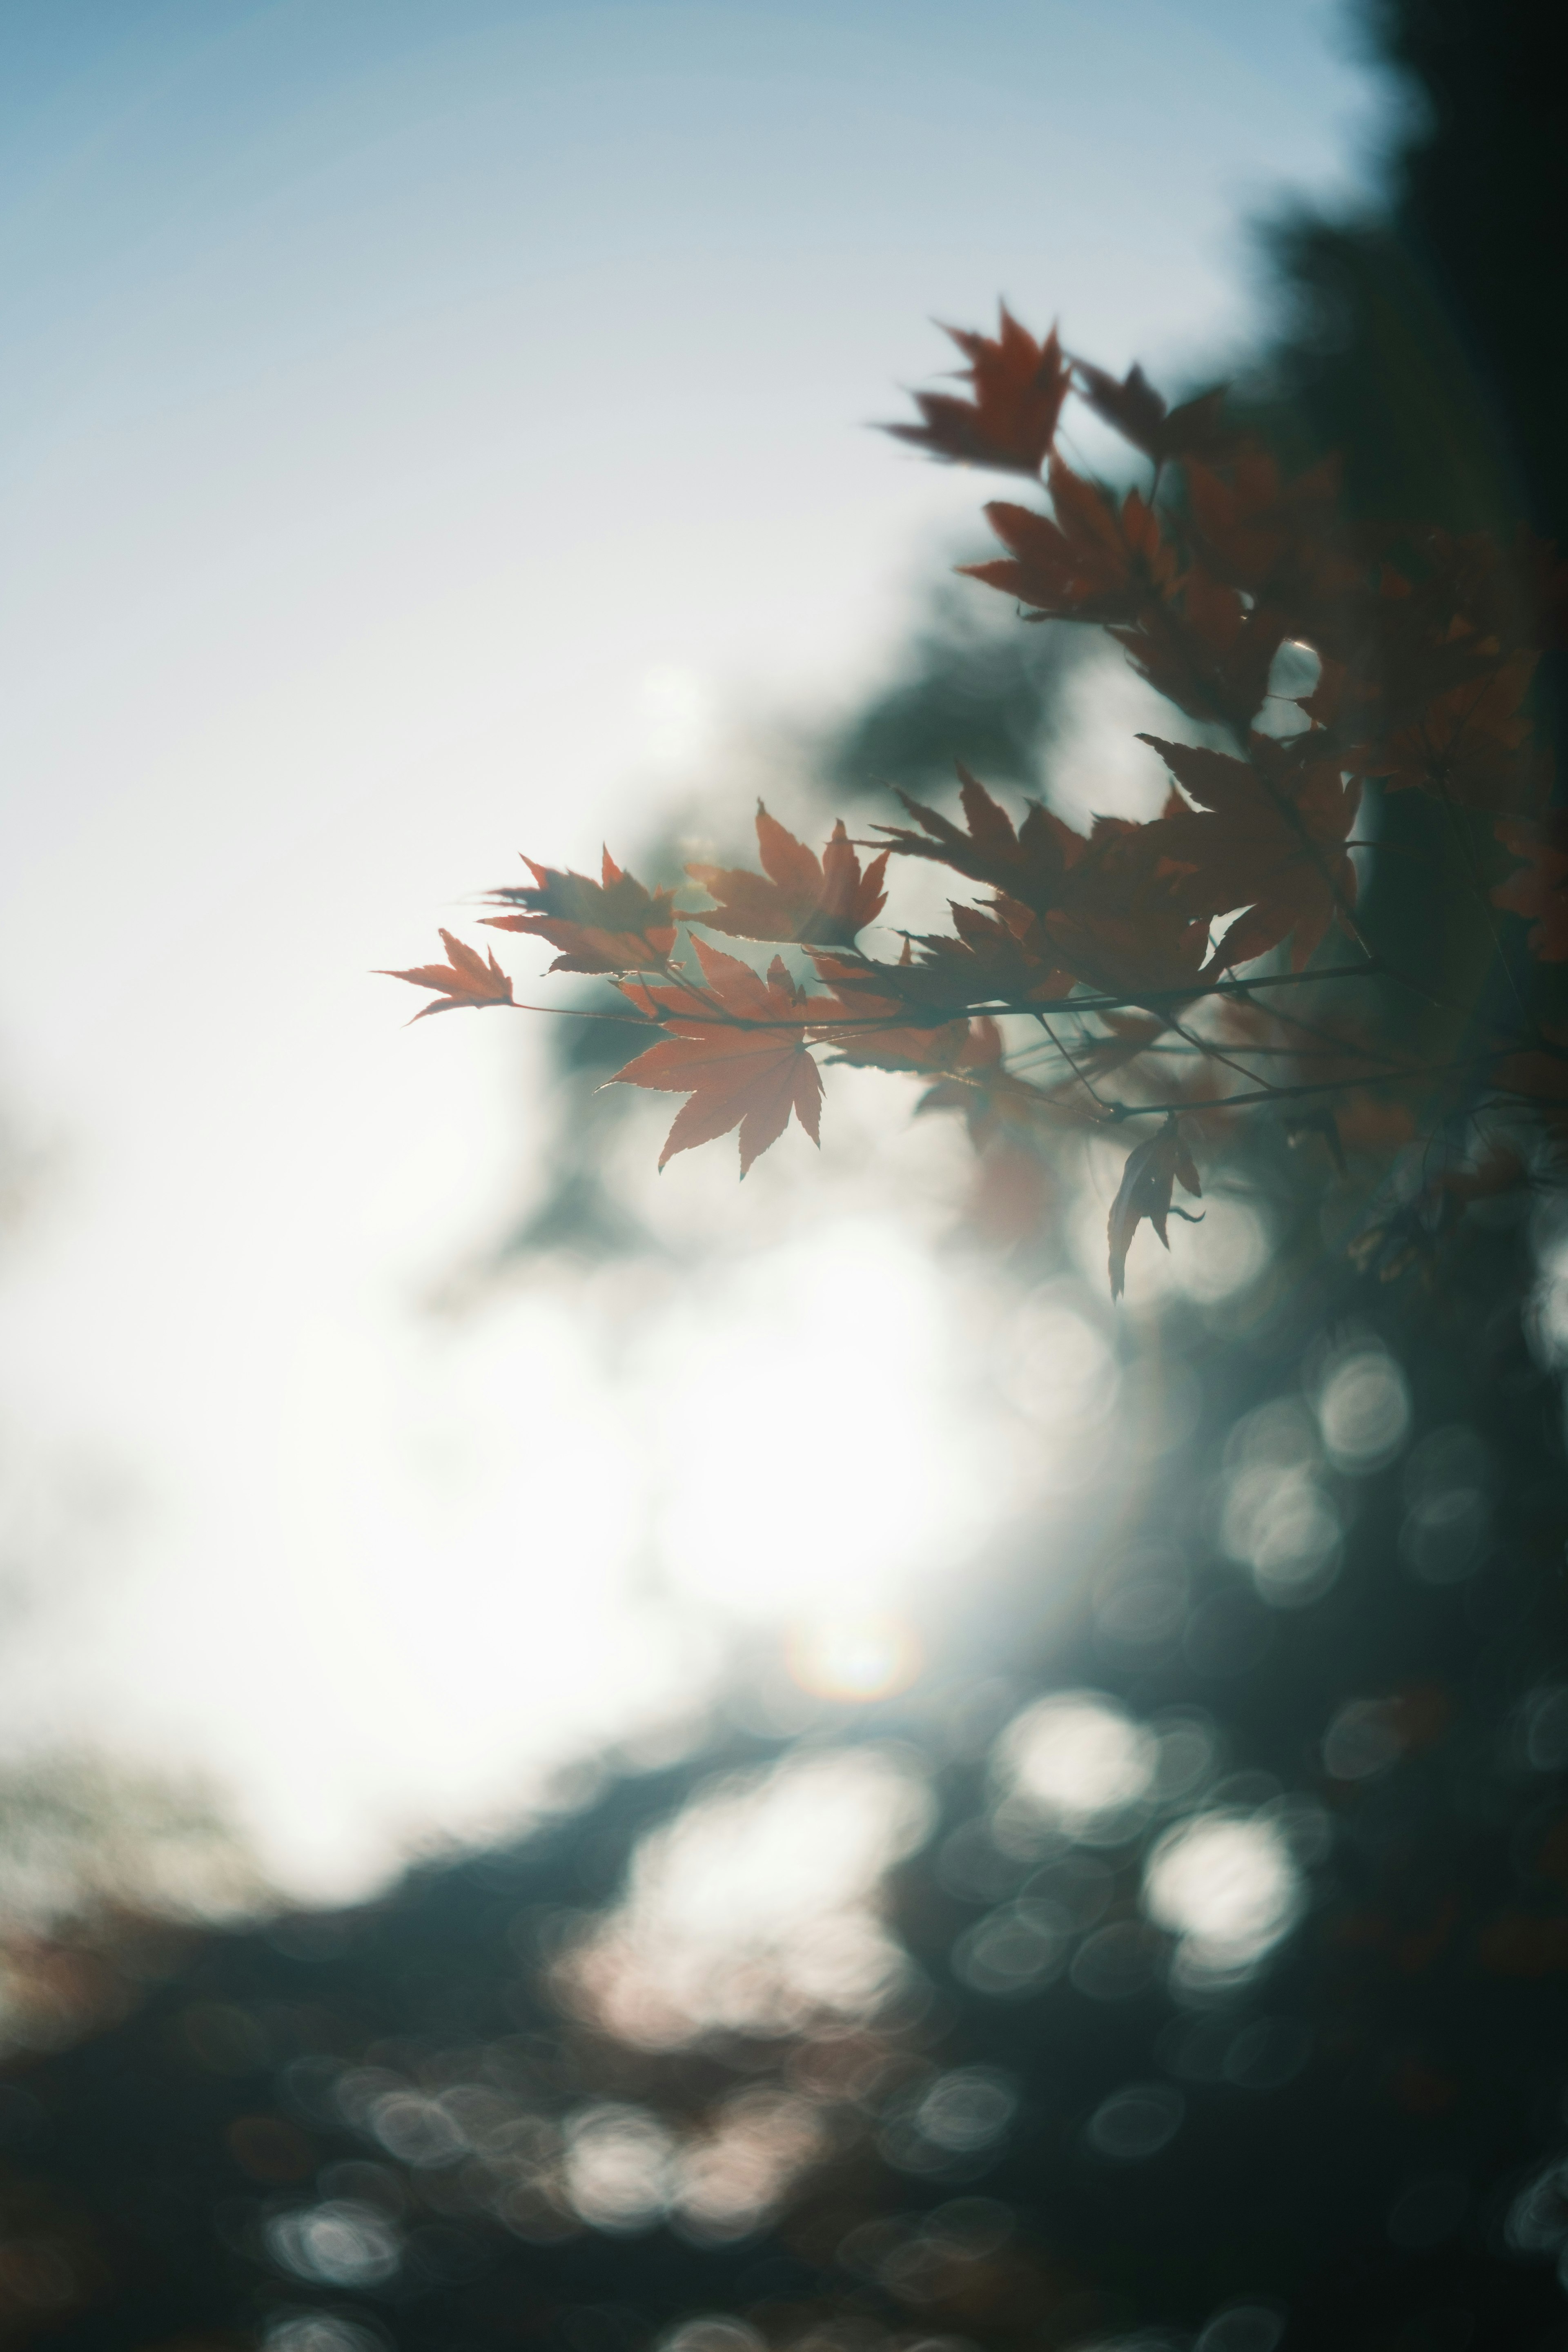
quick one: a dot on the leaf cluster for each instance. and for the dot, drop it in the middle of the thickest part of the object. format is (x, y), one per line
(1137, 970)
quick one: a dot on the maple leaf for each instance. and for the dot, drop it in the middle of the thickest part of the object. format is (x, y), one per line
(1107, 906)
(1207, 649)
(1000, 954)
(737, 1048)
(1127, 926)
(1470, 744)
(1010, 424)
(874, 1030)
(608, 925)
(1092, 563)
(468, 979)
(1151, 1169)
(1249, 526)
(1268, 835)
(1141, 416)
(801, 898)
(1031, 864)
(1391, 654)
(1539, 889)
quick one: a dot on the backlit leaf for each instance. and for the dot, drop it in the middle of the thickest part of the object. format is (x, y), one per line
(468, 979)
(737, 1048)
(1018, 389)
(797, 897)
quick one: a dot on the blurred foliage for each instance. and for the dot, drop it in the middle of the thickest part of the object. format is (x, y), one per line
(971, 689)
(1092, 2096)
(1417, 342)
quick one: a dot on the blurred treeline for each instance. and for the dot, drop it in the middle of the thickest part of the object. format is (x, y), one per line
(1047, 2097)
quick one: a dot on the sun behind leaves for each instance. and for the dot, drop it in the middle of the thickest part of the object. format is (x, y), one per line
(1143, 972)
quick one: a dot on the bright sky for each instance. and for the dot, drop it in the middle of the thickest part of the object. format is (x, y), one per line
(415, 419)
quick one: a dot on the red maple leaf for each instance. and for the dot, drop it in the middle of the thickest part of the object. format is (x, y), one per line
(468, 979)
(1127, 928)
(880, 1029)
(1031, 862)
(1268, 835)
(1010, 424)
(1000, 955)
(801, 898)
(737, 1048)
(612, 925)
(1251, 526)
(1471, 744)
(1093, 562)
(1205, 649)
(1141, 416)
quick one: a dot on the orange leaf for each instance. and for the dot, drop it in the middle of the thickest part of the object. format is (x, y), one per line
(800, 899)
(469, 979)
(737, 1048)
(1010, 424)
(613, 924)
(1146, 1180)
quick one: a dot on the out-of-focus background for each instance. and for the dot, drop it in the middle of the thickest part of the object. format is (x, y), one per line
(429, 435)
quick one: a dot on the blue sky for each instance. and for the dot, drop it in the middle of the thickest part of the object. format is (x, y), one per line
(406, 408)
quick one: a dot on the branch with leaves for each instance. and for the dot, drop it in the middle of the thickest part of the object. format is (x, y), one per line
(1141, 970)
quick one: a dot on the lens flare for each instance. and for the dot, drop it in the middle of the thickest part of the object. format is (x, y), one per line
(860, 1658)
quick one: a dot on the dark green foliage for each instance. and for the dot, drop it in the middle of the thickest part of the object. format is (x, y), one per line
(973, 692)
(1426, 343)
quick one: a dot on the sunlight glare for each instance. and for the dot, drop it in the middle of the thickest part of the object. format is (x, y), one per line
(768, 1508)
(854, 1657)
(755, 1909)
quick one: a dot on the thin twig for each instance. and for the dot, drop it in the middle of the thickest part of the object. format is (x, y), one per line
(1278, 1094)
